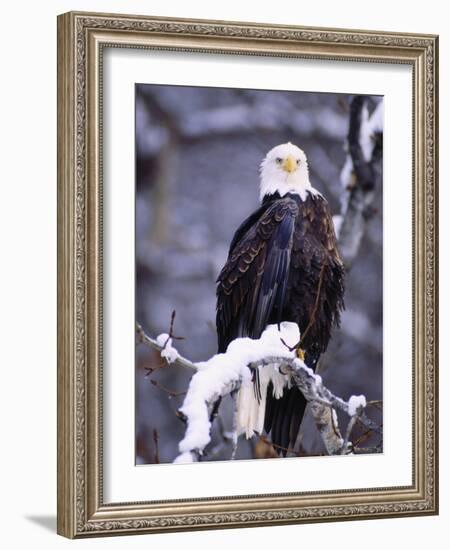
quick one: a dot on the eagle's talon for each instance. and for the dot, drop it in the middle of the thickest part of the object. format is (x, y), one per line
(300, 354)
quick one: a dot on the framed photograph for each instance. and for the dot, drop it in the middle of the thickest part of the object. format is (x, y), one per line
(247, 253)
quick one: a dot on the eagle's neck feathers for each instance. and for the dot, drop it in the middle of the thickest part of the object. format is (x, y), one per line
(303, 195)
(277, 182)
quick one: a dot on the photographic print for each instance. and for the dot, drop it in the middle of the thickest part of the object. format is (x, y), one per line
(247, 315)
(259, 274)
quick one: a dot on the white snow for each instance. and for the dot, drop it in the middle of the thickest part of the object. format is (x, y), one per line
(184, 458)
(369, 127)
(169, 352)
(335, 418)
(377, 119)
(365, 134)
(355, 402)
(347, 172)
(224, 371)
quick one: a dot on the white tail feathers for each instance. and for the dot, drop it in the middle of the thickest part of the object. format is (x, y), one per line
(250, 410)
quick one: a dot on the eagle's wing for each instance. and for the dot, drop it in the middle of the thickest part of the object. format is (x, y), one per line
(251, 286)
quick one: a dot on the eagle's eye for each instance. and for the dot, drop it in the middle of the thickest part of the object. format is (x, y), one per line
(298, 162)
(278, 160)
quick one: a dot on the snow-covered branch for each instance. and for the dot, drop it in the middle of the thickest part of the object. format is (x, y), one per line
(163, 344)
(225, 373)
(360, 176)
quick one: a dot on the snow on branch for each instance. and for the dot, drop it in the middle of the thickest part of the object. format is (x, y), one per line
(161, 344)
(360, 176)
(225, 373)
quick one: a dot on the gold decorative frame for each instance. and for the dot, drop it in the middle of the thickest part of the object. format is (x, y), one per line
(81, 38)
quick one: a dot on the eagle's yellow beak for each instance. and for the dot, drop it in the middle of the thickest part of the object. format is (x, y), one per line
(289, 164)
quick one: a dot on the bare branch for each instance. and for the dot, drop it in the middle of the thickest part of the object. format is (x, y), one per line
(170, 393)
(156, 444)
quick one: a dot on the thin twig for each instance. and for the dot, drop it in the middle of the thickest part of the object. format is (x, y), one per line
(170, 393)
(280, 447)
(172, 321)
(316, 306)
(159, 366)
(143, 338)
(155, 443)
(313, 314)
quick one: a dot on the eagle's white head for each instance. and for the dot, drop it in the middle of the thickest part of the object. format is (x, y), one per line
(285, 169)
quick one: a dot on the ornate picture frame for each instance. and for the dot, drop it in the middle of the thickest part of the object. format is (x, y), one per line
(82, 38)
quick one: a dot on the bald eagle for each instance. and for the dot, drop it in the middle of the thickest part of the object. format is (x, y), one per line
(283, 265)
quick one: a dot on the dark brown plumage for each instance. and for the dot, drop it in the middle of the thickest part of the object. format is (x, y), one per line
(283, 265)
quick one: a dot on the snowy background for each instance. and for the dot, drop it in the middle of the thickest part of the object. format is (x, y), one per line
(197, 156)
